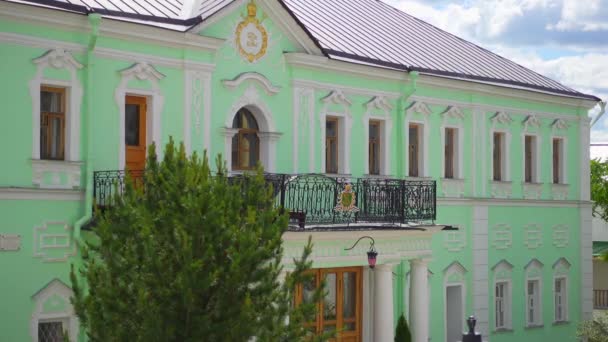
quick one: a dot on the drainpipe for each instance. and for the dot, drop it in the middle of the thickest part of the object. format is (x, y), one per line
(94, 21)
(409, 91)
(602, 111)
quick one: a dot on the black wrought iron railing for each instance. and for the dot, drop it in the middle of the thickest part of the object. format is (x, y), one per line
(315, 200)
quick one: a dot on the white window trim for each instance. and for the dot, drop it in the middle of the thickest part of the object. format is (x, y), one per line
(536, 157)
(458, 169)
(386, 126)
(423, 161)
(345, 123)
(58, 59)
(68, 317)
(154, 103)
(534, 264)
(563, 160)
(504, 266)
(454, 267)
(565, 306)
(506, 160)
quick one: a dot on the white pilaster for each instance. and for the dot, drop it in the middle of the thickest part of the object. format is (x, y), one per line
(383, 304)
(419, 300)
(480, 269)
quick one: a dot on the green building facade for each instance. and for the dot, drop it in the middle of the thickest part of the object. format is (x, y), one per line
(83, 90)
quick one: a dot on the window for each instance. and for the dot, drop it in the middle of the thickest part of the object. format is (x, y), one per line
(498, 157)
(558, 152)
(52, 123)
(450, 151)
(502, 305)
(530, 159)
(245, 143)
(340, 309)
(560, 300)
(50, 331)
(374, 147)
(331, 145)
(414, 148)
(533, 303)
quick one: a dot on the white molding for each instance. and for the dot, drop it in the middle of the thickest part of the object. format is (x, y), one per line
(453, 112)
(167, 62)
(531, 121)
(378, 109)
(532, 191)
(454, 268)
(563, 165)
(584, 166)
(508, 202)
(532, 266)
(41, 233)
(533, 235)
(501, 118)
(58, 288)
(57, 168)
(504, 266)
(337, 98)
(559, 192)
(586, 264)
(35, 194)
(480, 268)
(536, 159)
(155, 102)
(258, 78)
(502, 237)
(347, 90)
(452, 187)
(58, 59)
(303, 116)
(559, 125)
(506, 155)
(456, 114)
(501, 189)
(422, 110)
(197, 97)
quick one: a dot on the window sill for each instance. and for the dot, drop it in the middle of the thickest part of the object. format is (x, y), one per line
(56, 174)
(410, 178)
(561, 323)
(503, 330)
(501, 189)
(534, 326)
(379, 176)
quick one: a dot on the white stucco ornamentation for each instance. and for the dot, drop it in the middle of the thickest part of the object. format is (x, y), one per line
(155, 100)
(454, 241)
(337, 104)
(453, 112)
(532, 191)
(252, 77)
(501, 118)
(452, 187)
(337, 97)
(533, 236)
(62, 174)
(52, 304)
(531, 121)
(502, 236)
(10, 242)
(559, 125)
(419, 107)
(560, 236)
(379, 103)
(559, 192)
(501, 189)
(57, 59)
(54, 242)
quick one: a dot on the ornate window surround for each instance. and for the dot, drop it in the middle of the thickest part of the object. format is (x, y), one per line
(337, 98)
(502, 274)
(531, 127)
(67, 317)
(457, 270)
(534, 272)
(561, 270)
(453, 117)
(155, 101)
(423, 112)
(267, 134)
(379, 109)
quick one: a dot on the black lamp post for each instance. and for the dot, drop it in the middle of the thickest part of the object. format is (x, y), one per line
(471, 336)
(371, 254)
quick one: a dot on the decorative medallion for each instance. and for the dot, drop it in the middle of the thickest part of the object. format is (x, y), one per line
(251, 36)
(347, 200)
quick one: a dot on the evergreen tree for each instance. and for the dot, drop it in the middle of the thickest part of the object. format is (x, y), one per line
(402, 333)
(192, 256)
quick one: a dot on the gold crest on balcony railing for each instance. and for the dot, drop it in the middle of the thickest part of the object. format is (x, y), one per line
(347, 200)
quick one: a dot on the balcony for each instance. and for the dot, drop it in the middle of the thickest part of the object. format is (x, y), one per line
(320, 202)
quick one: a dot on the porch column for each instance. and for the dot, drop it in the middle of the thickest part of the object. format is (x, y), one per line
(419, 306)
(383, 303)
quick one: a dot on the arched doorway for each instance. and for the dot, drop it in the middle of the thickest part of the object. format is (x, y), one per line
(246, 142)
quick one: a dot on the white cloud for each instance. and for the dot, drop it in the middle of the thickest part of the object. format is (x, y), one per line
(589, 15)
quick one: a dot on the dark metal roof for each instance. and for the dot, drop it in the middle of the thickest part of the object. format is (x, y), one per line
(358, 31)
(371, 31)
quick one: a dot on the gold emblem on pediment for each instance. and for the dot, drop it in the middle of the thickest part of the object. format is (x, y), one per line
(251, 36)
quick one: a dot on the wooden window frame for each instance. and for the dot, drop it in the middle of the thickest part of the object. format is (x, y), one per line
(414, 159)
(375, 160)
(45, 116)
(240, 135)
(557, 160)
(530, 165)
(319, 322)
(450, 152)
(535, 318)
(564, 299)
(328, 141)
(498, 151)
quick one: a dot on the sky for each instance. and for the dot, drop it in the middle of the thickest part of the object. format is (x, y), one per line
(566, 40)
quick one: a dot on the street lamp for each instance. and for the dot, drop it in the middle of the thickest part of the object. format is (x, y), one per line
(371, 254)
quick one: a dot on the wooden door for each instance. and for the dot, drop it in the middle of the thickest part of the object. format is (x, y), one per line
(340, 309)
(135, 133)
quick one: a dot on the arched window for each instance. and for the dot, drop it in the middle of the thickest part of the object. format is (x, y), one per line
(245, 143)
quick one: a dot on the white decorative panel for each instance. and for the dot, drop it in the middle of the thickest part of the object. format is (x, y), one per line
(452, 187)
(454, 241)
(10, 242)
(533, 236)
(559, 192)
(501, 189)
(560, 236)
(532, 190)
(502, 237)
(53, 242)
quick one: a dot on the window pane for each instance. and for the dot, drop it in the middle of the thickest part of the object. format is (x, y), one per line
(556, 160)
(51, 102)
(374, 130)
(330, 299)
(235, 151)
(528, 158)
(331, 128)
(132, 125)
(497, 157)
(349, 295)
(449, 152)
(331, 146)
(50, 332)
(413, 150)
(308, 290)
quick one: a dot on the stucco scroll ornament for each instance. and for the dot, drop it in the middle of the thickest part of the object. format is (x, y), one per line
(453, 112)
(337, 97)
(251, 36)
(531, 121)
(419, 108)
(502, 118)
(59, 59)
(560, 124)
(379, 103)
(143, 71)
